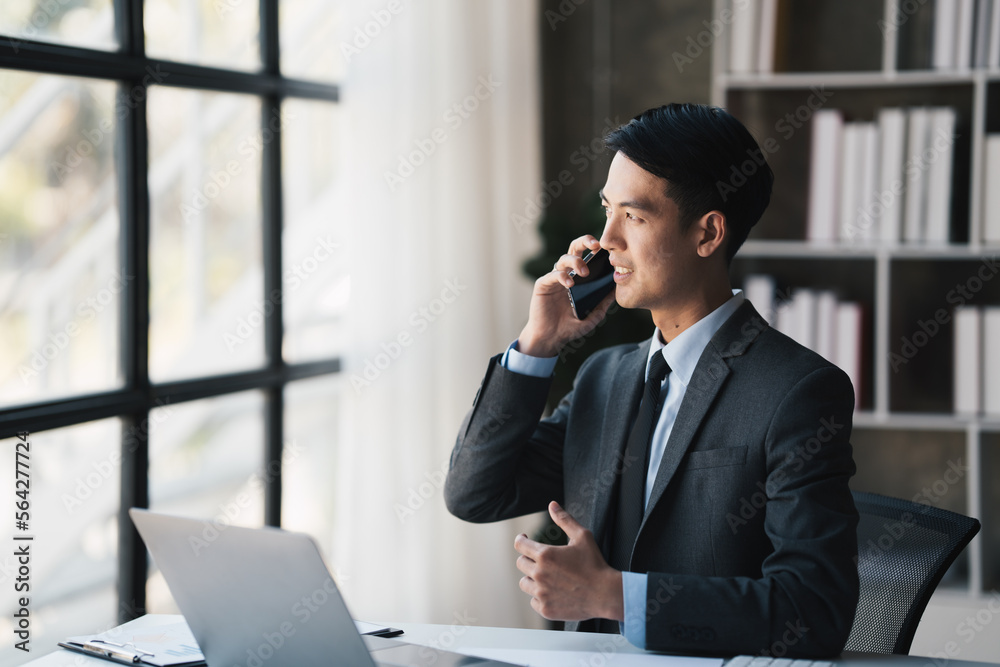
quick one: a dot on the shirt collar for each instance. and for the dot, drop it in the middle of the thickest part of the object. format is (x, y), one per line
(683, 352)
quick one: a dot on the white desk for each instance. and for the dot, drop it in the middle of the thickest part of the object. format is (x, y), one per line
(508, 643)
(547, 648)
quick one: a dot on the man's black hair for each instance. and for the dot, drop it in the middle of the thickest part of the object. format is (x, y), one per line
(710, 160)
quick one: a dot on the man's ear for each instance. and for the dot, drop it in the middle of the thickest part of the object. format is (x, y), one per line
(712, 233)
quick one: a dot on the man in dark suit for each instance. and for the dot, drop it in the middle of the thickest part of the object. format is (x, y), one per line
(710, 510)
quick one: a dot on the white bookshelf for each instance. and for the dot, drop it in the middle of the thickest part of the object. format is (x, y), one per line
(888, 295)
(796, 248)
(874, 79)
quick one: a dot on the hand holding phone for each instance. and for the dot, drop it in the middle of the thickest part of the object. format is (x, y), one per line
(588, 291)
(550, 326)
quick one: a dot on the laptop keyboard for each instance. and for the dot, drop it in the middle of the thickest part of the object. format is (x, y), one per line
(769, 661)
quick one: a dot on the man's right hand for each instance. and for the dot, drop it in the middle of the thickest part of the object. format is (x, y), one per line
(551, 322)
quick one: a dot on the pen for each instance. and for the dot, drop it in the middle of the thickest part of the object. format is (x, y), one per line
(103, 649)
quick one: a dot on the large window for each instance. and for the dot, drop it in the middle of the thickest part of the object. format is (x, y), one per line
(168, 277)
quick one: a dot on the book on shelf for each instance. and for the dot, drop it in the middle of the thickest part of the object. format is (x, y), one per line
(816, 319)
(797, 318)
(767, 35)
(977, 360)
(743, 49)
(882, 181)
(914, 213)
(868, 184)
(994, 35)
(941, 146)
(991, 360)
(758, 34)
(964, 32)
(966, 362)
(981, 39)
(858, 182)
(945, 34)
(849, 344)
(759, 290)
(824, 175)
(825, 344)
(850, 181)
(961, 34)
(991, 191)
(891, 155)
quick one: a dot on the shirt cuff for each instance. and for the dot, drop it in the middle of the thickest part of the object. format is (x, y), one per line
(518, 362)
(634, 593)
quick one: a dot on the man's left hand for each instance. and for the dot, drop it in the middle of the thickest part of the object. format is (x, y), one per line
(572, 582)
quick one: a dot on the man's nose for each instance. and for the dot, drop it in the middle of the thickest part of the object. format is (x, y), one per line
(610, 238)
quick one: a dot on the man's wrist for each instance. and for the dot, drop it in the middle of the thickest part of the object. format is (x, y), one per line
(614, 597)
(536, 346)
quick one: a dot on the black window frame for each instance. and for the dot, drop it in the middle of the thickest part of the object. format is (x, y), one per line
(131, 69)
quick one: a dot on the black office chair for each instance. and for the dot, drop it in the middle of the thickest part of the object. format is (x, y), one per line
(904, 548)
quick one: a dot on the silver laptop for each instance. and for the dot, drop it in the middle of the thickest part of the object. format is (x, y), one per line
(263, 597)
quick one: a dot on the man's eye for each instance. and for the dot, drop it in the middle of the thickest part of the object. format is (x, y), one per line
(630, 216)
(607, 212)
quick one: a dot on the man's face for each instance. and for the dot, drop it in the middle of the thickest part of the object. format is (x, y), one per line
(653, 259)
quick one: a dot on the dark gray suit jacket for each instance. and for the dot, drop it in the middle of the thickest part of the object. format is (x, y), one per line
(749, 534)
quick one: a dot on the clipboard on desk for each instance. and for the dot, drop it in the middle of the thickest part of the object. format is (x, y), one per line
(168, 645)
(128, 655)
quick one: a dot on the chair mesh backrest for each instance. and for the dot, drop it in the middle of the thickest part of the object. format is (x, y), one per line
(904, 548)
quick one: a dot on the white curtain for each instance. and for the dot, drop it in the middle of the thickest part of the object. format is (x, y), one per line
(442, 96)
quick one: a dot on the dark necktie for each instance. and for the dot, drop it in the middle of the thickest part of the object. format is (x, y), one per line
(632, 485)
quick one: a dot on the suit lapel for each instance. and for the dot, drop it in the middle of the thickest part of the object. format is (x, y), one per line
(620, 411)
(732, 339)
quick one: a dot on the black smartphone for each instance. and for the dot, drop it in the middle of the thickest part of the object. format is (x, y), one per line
(588, 291)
